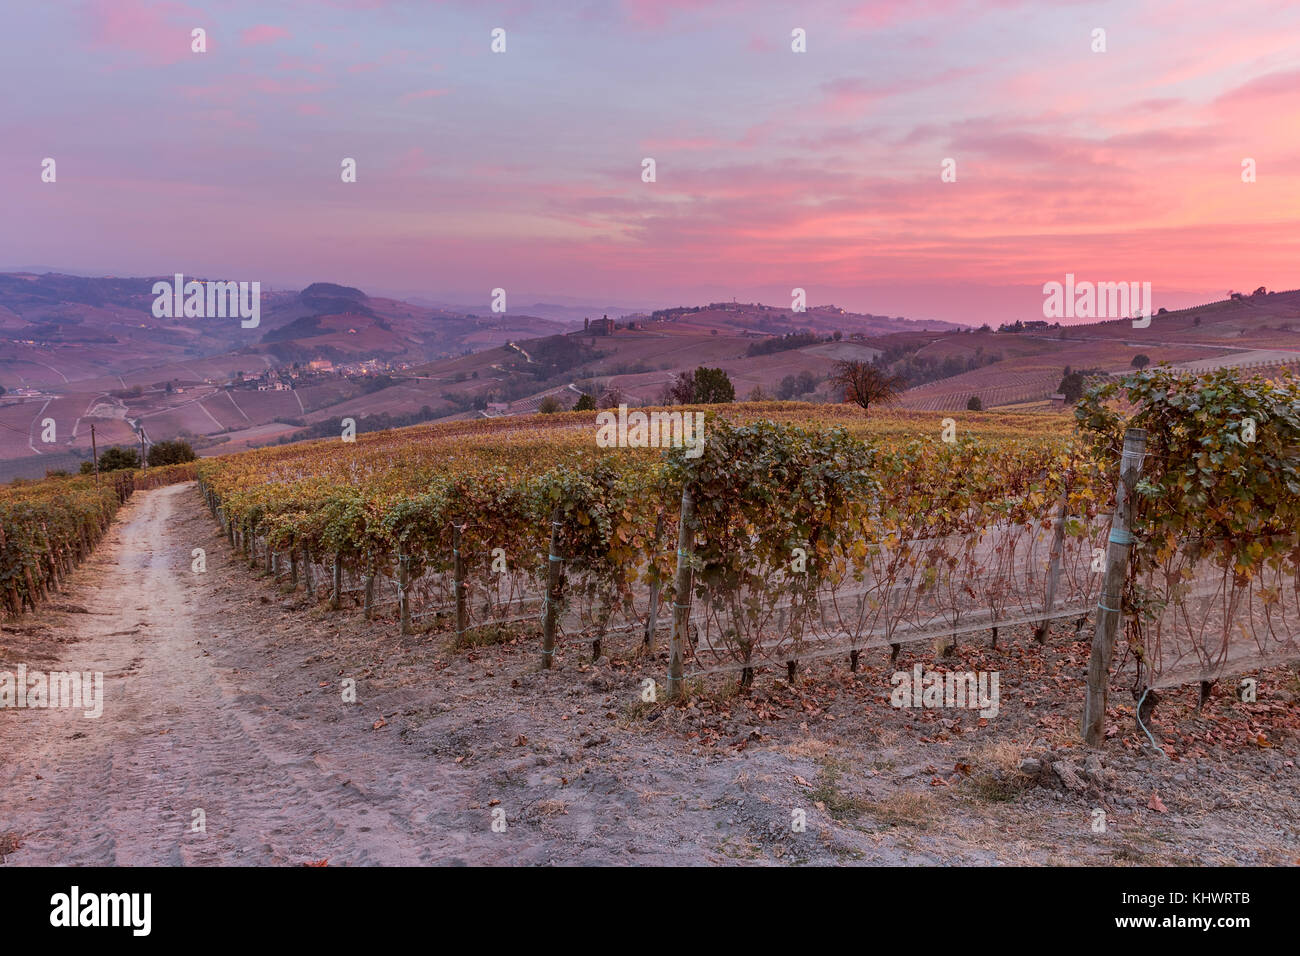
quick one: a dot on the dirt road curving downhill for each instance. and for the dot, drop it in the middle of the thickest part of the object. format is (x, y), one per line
(183, 730)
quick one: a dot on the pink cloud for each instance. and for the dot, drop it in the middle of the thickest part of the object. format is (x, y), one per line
(681, 143)
(654, 13)
(152, 33)
(412, 162)
(849, 94)
(1271, 86)
(876, 14)
(261, 34)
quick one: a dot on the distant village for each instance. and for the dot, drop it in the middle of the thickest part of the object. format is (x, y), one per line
(282, 379)
(286, 378)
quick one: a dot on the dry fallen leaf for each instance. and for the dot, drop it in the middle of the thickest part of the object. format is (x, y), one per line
(324, 862)
(1156, 804)
(379, 723)
(801, 781)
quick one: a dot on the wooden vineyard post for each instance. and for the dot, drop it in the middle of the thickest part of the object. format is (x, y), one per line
(293, 568)
(403, 599)
(52, 556)
(94, 454)
(1109, 612)
(652, 617)
(369, 609)
(681, 599)
(458, 583)
(1053, 571)
(308, 585)
(554, 583)
(336, 598)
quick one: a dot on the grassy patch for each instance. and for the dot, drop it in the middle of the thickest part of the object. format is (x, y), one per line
(995, 789)
(838, 804)
(907, 808)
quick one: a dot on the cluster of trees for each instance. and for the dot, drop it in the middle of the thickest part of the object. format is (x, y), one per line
(556, 354)
(160, 453)
(704, 386)
(902, 360)
(1019, 326)
(1071, 386)
(1074, 383)
(919, 369)
(169, 453)
(622, 368)
(610, 398)
(792, 386)
(782, 343)
(676, 311)
(374, 383)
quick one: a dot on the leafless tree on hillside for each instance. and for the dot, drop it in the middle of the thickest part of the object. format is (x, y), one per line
(680, 390)
(865, 384)
(611, 398)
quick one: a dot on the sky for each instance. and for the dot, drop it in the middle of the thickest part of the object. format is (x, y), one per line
(774, 169)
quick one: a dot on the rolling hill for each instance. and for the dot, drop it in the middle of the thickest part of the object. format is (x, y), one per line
(79, 351)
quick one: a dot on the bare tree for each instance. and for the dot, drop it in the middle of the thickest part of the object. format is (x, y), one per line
(679, 390)
(611, 398)
(866, 384)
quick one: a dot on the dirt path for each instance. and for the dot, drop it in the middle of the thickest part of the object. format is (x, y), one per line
(182, 732)
(222, 694)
